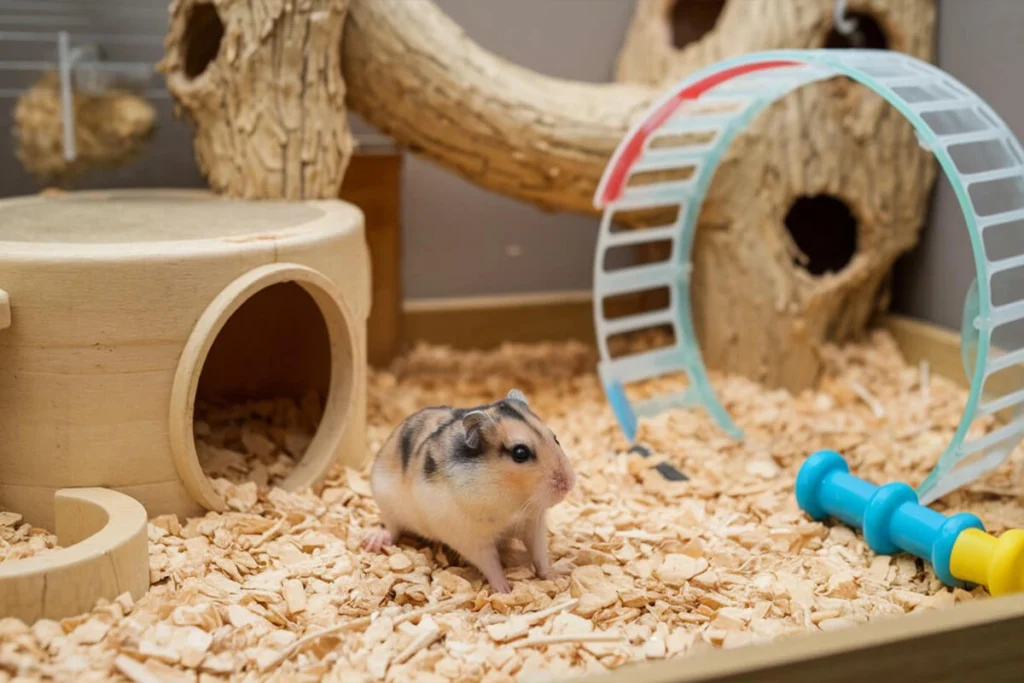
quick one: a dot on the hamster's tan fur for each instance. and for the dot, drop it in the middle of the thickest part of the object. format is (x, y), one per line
(472, 478)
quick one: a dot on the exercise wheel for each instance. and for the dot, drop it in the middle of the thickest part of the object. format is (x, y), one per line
(979, 155)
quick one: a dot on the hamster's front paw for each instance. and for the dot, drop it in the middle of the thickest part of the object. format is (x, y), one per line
(377, 539)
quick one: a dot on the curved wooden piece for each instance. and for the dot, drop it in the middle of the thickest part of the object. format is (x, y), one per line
(415, 75)
(104, 553)
(326, 444)
(261, 87)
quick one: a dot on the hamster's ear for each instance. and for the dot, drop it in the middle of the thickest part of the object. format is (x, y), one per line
(516, 395)
(476, 423)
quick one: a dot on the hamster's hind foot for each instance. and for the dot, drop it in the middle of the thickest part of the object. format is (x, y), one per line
(377, 539)
(500, 585)
(486, 559)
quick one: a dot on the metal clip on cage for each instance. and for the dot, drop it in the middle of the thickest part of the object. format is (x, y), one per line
(82, 67)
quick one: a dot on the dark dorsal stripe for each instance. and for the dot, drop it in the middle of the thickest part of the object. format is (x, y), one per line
(463, 452)
(407, 445)
(429, 467)
(409, 430)
(457, 415)
(507, 410)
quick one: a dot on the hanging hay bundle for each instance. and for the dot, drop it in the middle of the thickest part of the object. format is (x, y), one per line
(111, 129)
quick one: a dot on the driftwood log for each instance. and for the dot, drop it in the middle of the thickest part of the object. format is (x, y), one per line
(261, 86)
(803, 222)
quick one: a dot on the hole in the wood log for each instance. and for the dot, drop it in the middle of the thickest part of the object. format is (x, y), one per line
(691, 20)
(203, 32)
(868, 33)
(825, 232)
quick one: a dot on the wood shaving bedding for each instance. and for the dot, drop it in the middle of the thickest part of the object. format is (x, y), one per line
(258, 441)
(276, 588)
(18, 540)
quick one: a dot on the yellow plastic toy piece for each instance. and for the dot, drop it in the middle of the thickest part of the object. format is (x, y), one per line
(996, 564)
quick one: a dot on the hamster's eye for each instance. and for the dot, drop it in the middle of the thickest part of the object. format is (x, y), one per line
(556, 439)
(521, 453)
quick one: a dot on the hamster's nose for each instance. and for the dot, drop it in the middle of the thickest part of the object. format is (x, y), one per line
(570, 472)
(563, 481)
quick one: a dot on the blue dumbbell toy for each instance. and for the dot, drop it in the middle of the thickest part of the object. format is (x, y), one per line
(890, 515)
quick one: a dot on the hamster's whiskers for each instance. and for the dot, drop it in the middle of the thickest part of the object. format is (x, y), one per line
(522, 515)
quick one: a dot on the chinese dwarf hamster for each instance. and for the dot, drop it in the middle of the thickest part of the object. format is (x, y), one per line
(471, 478)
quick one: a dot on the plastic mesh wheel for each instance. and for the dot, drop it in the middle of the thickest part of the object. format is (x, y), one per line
(981, 158)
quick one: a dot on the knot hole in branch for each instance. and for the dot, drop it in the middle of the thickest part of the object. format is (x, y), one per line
(203, 33)
(691, 20)
(825, 231)
(867, 34)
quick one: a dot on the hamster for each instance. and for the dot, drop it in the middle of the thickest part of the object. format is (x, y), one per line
(472, 478)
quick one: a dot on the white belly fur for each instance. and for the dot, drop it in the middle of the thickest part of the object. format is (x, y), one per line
(429, 511)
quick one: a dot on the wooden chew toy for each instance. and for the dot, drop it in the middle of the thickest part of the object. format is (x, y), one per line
(104, 553)
(124, 307)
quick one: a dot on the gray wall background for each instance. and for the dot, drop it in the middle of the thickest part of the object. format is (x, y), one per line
(982, 44)
(462, 241)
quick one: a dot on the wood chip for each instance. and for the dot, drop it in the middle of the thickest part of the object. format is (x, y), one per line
(677, 569)
(135, 671)
(294, 596)
(428, 635)
(92, 631)
(519, 625)
(399, 563)
(570, 638)
(358, 624)
(868, 398)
